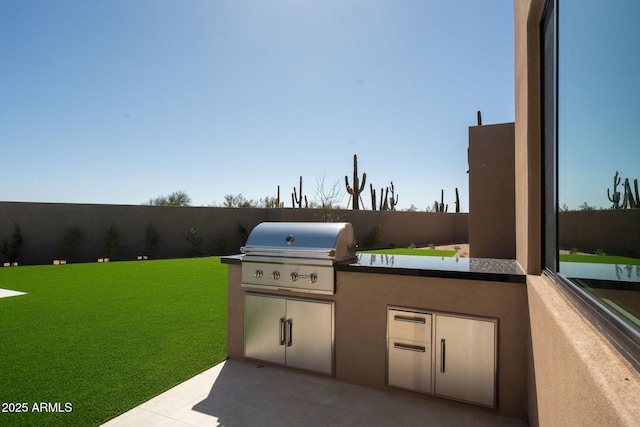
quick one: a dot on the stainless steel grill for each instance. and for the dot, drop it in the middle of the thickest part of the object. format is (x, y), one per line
(296, 256)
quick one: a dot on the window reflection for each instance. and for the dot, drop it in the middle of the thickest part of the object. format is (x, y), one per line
(598, 126)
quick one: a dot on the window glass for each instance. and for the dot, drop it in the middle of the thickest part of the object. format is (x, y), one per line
(598, 149)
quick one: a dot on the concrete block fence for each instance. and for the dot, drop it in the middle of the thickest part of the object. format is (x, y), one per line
(43, 224)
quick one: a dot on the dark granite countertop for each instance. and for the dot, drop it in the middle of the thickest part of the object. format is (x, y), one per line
(231, 259)
(489, 269)
(498, 270)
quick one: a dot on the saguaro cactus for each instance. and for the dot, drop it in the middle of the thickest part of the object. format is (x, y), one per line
(294, 196)
(373, 197)
(384, 201)
(357, 185)
(615, 197)
(393, 201)
(631, 201)
(278, 198)
(457, 201)
(440, 207)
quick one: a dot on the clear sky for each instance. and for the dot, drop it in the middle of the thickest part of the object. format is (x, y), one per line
(599, 99)
(121, 101)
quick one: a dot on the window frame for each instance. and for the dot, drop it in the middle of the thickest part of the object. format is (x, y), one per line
(615, 331)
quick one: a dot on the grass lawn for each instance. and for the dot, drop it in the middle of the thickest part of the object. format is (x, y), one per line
(103, 338)
(407, 251)
(600, 259)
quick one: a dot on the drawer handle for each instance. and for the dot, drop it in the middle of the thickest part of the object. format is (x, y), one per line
(409, 319)
(418, 348)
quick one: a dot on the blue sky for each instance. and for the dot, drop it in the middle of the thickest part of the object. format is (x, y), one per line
(598, 94)
(121, 101)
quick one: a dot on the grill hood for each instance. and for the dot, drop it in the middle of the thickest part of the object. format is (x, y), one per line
(319, 240)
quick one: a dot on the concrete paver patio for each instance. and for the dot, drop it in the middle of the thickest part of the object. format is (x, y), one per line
(241, 393)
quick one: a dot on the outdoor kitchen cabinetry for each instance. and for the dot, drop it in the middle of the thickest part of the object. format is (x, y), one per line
(298, 333)
(445, 354)
(409, 350)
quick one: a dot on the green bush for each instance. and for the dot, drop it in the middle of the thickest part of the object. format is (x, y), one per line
(195, 241)
(11, 248)
(112, 243)
(69, 242)
(152, 240)
(374, 237)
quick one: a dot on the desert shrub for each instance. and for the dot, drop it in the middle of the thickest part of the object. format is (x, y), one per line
(243, 234)
(152, 240)
(11, 247)
(112, 243)
(195, 241)
(69, 242)
(374, 236)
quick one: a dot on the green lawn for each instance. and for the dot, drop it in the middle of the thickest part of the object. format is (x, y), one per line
(106, 337)
(600, 259)
(406, 251)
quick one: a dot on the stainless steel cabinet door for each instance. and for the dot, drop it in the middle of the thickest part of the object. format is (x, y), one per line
(309, 333)
(264, 327)
(409, 365)
(409, 350)
(465, 365)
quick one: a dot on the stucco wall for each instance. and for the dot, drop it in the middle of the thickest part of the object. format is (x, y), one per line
(528, 150)
(575, 376)
(580, 380)
(614, 231)
(43, 224)
(492, 227)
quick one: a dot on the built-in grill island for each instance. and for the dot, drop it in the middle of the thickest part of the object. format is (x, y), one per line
(296, 256)
(301, 297)
(293, 257)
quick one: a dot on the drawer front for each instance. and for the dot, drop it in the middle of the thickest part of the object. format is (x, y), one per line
(409, 365)
(409, 325)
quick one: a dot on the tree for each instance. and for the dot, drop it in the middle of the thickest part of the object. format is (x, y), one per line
(177, 198)
(327, 197)
(238, 201)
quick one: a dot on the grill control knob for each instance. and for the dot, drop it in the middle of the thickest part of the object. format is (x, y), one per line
(275, 275)
(258, 274)
(293, 276)
(313, 277)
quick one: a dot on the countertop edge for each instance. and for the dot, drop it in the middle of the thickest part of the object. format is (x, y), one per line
(489, 276)
(231, 259)
(444, 274)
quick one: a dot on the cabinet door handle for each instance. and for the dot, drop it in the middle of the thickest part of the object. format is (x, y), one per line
(290, 338)
(418, 348)
(409, 319)
(283, 331)
(443, 347)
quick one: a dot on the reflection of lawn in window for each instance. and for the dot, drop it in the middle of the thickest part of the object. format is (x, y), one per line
(107, 337)
(407, 251)
(600, 259)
